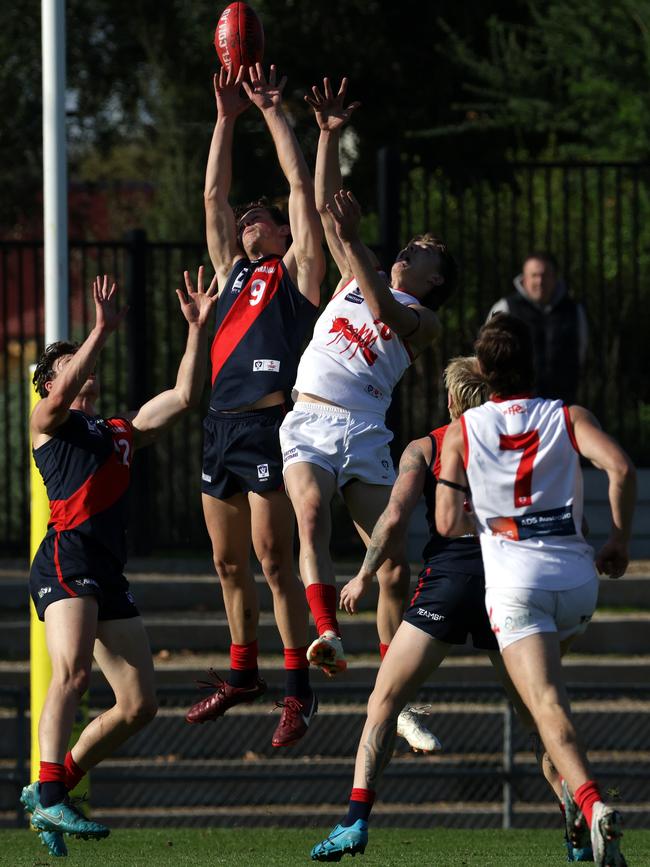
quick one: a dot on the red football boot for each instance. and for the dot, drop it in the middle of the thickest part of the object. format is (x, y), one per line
(223, 699)
(295, 719)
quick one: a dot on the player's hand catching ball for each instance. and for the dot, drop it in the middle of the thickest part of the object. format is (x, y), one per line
(229, 94)
(196, 305)
(264, 94)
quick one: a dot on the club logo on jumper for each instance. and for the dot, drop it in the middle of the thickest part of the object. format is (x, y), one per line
(263, 471)
(515, 409)
(362, 338)
(385, 464)
(430, 615)
(374, 392)
(289, 454)
(266, 365)
(355, 297)
(93, 426)
(239, 281)
(43, 591)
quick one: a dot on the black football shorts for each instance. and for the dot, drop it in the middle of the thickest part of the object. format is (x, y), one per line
(241, 452)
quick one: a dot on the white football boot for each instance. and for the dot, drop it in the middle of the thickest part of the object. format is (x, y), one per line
(412, 729)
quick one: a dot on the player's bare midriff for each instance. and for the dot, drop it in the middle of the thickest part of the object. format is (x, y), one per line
(313, 398)
(276, 398)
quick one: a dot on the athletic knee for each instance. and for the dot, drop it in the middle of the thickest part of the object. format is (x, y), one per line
(312, 516)
(139, 712)
(383, 704)
(228, 571)
(75, 680)
(275, 569)
(394, 578)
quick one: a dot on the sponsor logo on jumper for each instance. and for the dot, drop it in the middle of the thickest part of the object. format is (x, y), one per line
(118, 428)
(515, 409)
(385, 464)
(43, 591)
(130, 598)
(290, 453)
(206, 477)
(431, 615)
(266, 269)
(355, 297)
(374, 392)
(551, 522)
(263, 471)
(266, 365)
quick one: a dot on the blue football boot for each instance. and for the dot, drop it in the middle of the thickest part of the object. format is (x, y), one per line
(52, 840)
(65, 818)
(342, 841)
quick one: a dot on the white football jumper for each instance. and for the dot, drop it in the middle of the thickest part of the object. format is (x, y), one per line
(523, 468)
(353, 360)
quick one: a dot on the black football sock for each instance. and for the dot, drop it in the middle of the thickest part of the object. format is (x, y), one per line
(243, 678)
(52, 793)
(297, 683)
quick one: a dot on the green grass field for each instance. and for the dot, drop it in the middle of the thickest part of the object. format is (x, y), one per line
(182, 847)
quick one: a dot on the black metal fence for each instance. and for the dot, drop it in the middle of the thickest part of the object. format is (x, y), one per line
(594, 217)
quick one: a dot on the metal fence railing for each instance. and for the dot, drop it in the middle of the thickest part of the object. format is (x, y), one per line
(594, 217)
(485, 777)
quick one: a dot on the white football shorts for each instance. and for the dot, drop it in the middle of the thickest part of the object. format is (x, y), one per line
(349, 445)
(518, 612)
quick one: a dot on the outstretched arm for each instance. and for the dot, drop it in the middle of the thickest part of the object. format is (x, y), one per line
(52, 411)
(221, 229)
(165, 408)
(451, 517)
(305, 260)
(404, 320)
(389, 535)
(606, 454)
(331, 116)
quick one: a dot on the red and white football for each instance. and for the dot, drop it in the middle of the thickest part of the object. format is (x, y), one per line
(239, 38)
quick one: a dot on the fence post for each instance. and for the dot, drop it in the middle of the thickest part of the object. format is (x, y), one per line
(138, 383)
(388, 207)
(508, 761)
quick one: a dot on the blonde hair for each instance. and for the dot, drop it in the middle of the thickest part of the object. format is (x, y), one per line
(465, 384)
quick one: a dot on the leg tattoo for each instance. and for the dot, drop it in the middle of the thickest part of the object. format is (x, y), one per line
(379, 750)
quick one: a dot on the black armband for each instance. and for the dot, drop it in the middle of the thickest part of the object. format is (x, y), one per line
(453, 485)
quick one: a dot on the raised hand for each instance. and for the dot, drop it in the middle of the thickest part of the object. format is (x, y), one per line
(107, 315)
(231, 101)
(346, 213)
(264, 94)
(330, 112)
(196, 305)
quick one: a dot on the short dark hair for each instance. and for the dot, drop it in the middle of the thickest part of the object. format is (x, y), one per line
(543, 256)
(504, 349)
(277, 214)
(45, 365)
(448, 270)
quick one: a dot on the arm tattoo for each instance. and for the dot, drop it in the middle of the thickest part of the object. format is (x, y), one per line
(379, 750)
(376, 551)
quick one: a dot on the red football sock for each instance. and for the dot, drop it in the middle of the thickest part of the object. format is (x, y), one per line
(295, 657)
(243, 657)
(585, 797)
(52, 772)
(321, 599)
(383, 649)
(73, 773)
